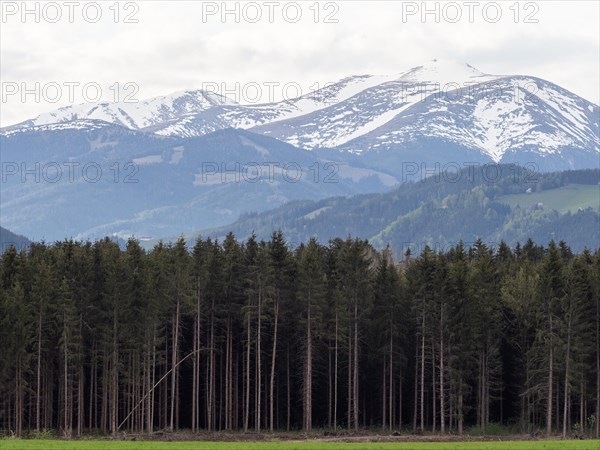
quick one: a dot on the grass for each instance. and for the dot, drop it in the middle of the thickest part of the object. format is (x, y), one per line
(563, 199)
(14, 444)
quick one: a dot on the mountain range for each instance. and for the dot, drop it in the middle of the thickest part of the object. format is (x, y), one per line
(197, 159)
(441, 211)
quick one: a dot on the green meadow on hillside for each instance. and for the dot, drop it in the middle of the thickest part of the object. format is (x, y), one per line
(563, 199)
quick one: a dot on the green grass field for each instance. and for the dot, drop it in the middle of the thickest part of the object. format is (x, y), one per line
(14, 444)
(564, 199)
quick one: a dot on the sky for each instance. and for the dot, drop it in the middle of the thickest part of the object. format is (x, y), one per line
(53, 54)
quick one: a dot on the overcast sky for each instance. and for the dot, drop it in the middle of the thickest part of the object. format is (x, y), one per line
(185, 45)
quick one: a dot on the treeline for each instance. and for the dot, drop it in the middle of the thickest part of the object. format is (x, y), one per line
(256, 336)
(439, 210)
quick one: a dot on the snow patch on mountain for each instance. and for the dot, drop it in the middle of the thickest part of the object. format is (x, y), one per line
(78, 124)
(446, 73)
(136, 114)
(441, 100)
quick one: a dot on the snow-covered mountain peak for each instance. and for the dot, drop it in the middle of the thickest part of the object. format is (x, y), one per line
(135, 114)
(192, 96)
(500, 118)
(445, 72)
(78, 124)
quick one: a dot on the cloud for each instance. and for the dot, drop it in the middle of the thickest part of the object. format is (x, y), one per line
(172, 48)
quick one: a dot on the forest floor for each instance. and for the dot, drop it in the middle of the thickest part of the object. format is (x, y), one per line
(233, 441)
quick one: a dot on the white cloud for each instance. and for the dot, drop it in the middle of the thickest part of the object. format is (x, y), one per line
(172, 48)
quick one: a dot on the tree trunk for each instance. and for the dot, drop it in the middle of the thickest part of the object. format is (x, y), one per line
(247, 399)
(416, 389)
(196, 362)
(422, 423)
(597, 365)
(460, 409)
(38, 374)
(383, 394)
(329, 387)
(66, 427)
(308, 379)
(93, 393)
(391, 380)
(210, 395)
(19, 398)
(566, 388)
(273, 360)
(442, 405)
(258, 356)
(335, 375)
(356, 364)
(174, 370)
(400, 401)
(80, 401)
(582, 405)
(350, 390)
(289, 392)
(227, 376)
(433, 386)
(550, 382)
(195, 376)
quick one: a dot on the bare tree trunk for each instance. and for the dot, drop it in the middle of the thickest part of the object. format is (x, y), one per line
(19, 399)
(231, 385)
(115, 390)
(482, 382)
(174, 364)
(416, 389)
(106, 377)
(350, 390)
(196, 362)
(273, 359)
(236, 407)
(308, 378)
(442, 405)
(566, 388)
(582, 404)
(422, 424)
(433, 386)
(487, 391)
(248, 354)
(195, 375)
(93, 393)
(66, 427)
(557, 424)
(479, 389)
(356, 364)
(598, 366)
(38, 374)
(550, 382)
(384, 394)
(258, 357)
(329, 387)
(400, 401)
(219, 409)
(212, 388)
(335, 374)
(391, 380)
(151, 380)
(80, 402)
(460, 409)
(227, 371)
(289, 391)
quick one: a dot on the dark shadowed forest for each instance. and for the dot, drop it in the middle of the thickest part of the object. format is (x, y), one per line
(257, 336)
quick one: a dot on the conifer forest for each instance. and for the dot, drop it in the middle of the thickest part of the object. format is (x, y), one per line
(257, 336)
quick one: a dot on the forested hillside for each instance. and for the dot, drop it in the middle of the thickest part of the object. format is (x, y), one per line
(256, 336)
(492, 203)
(8, 239)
